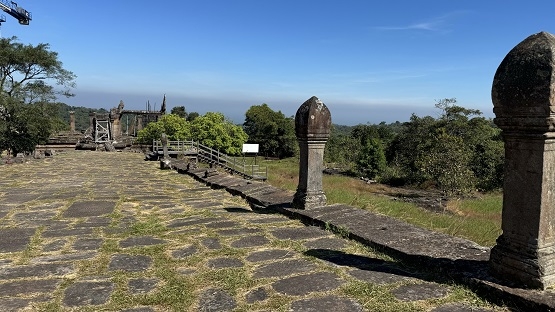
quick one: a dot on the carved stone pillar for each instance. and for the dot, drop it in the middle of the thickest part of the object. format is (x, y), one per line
(72, 122)
(523, 96)
(312, 128)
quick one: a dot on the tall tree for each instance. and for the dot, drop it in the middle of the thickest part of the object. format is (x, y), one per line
(179, 111)
(215, 131)
(274, 133)
(175, 127)
(31, 78)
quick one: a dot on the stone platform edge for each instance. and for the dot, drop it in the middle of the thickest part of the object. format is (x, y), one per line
(454, 258)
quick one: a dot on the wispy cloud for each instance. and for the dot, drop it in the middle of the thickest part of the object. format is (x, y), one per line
(439, 24)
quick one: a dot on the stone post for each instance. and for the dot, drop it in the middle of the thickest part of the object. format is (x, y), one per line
(523, 95)
(139, 123)
(165, 162)
(92, 115)
(312, 128)
(72, 122)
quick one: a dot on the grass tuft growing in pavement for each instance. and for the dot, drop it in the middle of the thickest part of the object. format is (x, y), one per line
(152, 226)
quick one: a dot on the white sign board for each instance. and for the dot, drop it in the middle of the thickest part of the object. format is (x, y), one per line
(250, 148)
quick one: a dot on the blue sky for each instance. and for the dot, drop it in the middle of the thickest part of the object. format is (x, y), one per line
(369, 61)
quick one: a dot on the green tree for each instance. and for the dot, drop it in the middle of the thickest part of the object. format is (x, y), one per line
(274, 132)
(175, 127)
(192, 116)
(179, 111)
(215, 131)
(28, 76)
(447, 163)
(371, 159)
(459, 151)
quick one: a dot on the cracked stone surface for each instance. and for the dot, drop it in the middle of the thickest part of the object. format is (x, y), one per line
(130, 263)
(309, 283)
(216, 300)
(99, 231)
(284, 268)
(420, 292)
(327, 303)
(88, 293)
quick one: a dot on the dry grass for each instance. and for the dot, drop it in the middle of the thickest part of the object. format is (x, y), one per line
(477, 219)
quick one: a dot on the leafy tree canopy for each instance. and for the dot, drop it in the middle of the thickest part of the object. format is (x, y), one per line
(274, 133)
(28, 76)
(212, 130)
(175, 127)
(215, 131)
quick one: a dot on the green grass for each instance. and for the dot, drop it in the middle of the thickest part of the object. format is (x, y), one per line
(477, 219)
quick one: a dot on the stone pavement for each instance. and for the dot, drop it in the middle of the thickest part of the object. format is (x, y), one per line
(89, 231)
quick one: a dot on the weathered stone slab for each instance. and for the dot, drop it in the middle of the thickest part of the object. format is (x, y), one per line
(459, 307)
(39, 270)
(204, 204)
(34, 216)
(18, 198)
(222, 224)
(66, 257)
(271, 254)
(377, 277)
(55, 245)
(135, 241)
(220, 263)
(326, 243)
(397, 235)
(271, 197)
(129, 263)
(141, 285)
(239, 231)
(256, 295)
(305, 284)
(67, 232)
(191, 221)
(139, 309)
(273, 219)
(250, 241)
(216, 300)
(245, 189)
(340, 258)
(87, 293)
(299, 233)
(211, 243)
(284, 268)
(82, 209)
(94, 222)
(184, 252)
(13, 304)
(420, 292)
(88, 244)
(28, 287)
(327, 303)
(15, 239)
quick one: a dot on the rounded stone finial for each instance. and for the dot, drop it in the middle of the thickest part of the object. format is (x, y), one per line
(313, 119)
(523, 85)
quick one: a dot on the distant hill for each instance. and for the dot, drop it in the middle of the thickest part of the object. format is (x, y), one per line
(81, 115)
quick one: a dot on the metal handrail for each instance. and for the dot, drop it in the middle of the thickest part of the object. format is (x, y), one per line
(207, 154)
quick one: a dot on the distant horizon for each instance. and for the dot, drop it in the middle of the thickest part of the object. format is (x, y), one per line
(342, 113)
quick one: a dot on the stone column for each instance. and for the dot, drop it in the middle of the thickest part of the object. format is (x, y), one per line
(92, 115)
(312, 128)
(72, 122)
(523, 96)
(165, 162)
(139, 123)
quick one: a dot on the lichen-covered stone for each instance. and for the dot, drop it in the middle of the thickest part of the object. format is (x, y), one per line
(523, 96)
